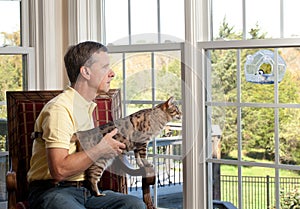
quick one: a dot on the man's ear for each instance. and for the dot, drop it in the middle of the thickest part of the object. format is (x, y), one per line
(85, 72)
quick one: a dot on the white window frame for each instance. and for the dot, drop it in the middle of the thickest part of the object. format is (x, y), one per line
(30, 72)
(148, 48)
(197, 23)
(30, 75)
(273, 43)
(41, 41)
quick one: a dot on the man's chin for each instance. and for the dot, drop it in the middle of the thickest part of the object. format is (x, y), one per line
(101, 91)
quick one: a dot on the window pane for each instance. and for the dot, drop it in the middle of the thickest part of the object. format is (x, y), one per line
(289, 188)
(167, 75)
(116, 22)
(289, 86)
(223, 79)
(10, 23)
(117, 66)
(289, 132)
(224, 12)
(223, 132)
(172, 20)
(291, 17)
(264, 15)
(263, 19)
(144, 22)
(138, 76)
(146, 78)
(11, 77)
(258, 187)
(260, 93)
(132, 108)
(144, 27)
(226, 186)
(258, 134)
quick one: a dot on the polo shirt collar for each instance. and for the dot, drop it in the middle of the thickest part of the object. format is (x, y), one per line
(90, 106)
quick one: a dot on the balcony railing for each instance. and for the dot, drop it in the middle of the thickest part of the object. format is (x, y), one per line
(165, 153)
(166, 159)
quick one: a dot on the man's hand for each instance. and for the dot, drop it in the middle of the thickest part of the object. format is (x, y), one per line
(63, 165)
(109, 146)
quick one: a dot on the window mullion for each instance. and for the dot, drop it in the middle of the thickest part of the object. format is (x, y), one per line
(239, 129)
(244, 19)
(276, 131)
(25, 23)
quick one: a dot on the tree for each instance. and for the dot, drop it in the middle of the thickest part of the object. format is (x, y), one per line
(257, 123)
(167, 80)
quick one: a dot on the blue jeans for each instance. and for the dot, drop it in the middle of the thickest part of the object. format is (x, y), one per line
(41, 197)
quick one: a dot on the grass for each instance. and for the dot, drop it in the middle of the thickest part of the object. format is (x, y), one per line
(255, 171)
(254, 189)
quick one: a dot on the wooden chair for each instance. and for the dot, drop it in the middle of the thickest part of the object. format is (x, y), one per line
(23, 108)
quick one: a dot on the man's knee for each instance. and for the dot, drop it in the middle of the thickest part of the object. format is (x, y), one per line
(134, 202)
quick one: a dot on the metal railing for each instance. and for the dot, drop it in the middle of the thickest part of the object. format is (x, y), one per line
(3, 171)
(166, 159)
(257, 191)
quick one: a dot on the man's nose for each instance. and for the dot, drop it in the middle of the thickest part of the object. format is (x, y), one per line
(112, 73)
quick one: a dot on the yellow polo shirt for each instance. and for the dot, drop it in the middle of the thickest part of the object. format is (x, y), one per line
(64, 115)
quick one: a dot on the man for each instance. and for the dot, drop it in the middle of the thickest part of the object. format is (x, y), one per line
(57, 171)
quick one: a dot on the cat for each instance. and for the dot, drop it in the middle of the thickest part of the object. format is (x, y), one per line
(135, 131)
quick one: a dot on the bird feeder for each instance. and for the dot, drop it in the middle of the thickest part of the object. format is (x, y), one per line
(260, 67)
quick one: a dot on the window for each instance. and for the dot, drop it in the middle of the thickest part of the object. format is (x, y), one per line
(143, 22)
(10, 10)
(147, 78)
(147, 58)
(257, 145)
(15, 60)
(251, 143)
(272, 18)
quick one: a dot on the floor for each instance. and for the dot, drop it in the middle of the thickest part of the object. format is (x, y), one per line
(170, 197)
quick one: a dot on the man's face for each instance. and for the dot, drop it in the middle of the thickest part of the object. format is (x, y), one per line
(101, 73)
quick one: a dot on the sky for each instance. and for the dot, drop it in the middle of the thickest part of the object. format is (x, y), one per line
(264, 12)
(144, 18)
(117, 28)
(9, 12)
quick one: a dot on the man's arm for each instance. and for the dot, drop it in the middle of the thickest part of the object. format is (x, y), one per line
(63, 165)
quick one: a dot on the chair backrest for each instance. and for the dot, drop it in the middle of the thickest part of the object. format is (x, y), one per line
(23, 107)
(109, 108)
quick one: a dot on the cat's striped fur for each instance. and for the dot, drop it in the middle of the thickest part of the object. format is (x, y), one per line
(135, 131)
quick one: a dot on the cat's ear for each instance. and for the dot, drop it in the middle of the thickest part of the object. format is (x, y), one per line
(170, 101)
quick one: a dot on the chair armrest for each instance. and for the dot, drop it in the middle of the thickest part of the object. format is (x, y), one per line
(148, 177)
(11, 181)
(11, 186)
